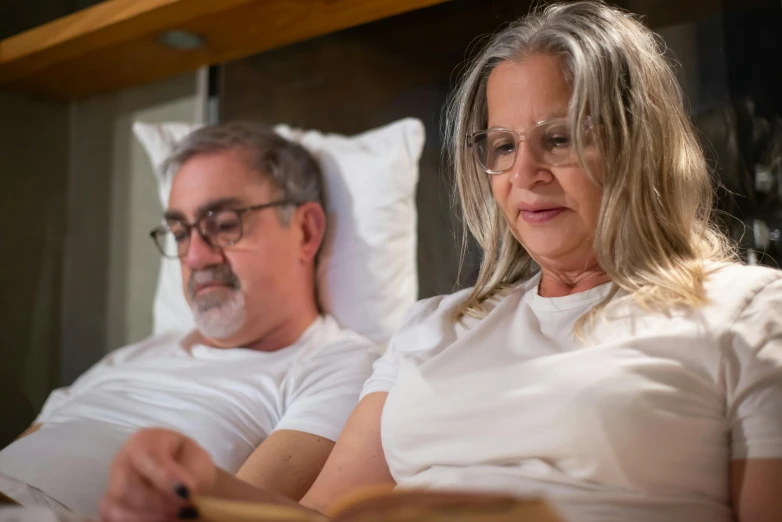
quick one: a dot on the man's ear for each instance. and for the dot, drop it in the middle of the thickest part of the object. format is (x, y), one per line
(312, 220)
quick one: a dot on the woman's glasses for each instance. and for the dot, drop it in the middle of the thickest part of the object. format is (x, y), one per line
(550, 142)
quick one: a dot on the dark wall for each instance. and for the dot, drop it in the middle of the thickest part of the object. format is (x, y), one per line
(34, 166)
(33, 163)
(753, 53)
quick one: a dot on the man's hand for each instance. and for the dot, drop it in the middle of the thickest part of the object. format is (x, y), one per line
(152, 476)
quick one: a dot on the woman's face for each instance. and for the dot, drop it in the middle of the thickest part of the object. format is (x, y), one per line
(552, 211)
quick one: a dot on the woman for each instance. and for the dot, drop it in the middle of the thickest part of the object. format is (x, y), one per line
(635, 375)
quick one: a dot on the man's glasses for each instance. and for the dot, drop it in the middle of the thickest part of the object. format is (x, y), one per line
(550, 143)
(218, 228)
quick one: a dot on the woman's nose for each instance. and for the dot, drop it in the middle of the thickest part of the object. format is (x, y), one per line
(527, 169)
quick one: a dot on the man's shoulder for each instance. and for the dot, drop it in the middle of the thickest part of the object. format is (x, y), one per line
(154, 346)
(330, 333)
(327, 340)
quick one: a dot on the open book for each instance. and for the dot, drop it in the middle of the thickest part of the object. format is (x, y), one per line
(381, 505)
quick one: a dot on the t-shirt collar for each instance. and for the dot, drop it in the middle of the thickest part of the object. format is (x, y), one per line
(567, 302)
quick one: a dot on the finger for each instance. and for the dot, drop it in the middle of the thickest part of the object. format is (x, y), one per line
(129, 485)
(162, 472)
(200, 465)
(135, 493)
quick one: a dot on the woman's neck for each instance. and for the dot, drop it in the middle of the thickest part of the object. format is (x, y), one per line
(559, 283)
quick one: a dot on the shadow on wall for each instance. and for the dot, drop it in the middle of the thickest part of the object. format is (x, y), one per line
(34, 163)
(744, 149)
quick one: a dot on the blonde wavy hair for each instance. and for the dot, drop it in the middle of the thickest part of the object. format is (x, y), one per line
(654, 232)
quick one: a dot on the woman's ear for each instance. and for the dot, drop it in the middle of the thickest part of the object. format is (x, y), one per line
(312, 220)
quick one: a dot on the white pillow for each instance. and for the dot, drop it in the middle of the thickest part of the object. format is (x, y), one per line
(367, 276)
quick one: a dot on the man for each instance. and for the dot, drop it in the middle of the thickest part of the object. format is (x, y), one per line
(264, 383)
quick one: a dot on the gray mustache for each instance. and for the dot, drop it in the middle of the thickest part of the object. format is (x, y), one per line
(221, 274)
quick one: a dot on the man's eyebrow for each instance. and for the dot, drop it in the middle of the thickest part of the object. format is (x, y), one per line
(174, 215)
(215, 204)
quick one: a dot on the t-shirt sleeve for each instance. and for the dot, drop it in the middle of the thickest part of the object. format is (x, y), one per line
(326, 390)
(56, 399)
(61, 396)
(753, 371)
(421, 327)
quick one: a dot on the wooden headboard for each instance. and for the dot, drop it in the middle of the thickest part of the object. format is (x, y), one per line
(116, 43)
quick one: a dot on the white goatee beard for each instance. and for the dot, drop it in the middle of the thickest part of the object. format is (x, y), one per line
(219, 316)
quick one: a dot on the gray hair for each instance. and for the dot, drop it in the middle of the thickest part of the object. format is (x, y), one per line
(289, 166)
(653, 232)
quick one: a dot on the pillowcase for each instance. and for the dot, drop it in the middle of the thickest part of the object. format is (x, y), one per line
(367, 275)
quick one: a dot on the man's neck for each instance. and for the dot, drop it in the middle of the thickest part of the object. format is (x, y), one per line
(284, 334)
(280, 336)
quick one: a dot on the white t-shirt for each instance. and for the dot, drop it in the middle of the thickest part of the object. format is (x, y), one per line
(228, 400)
(637, 424)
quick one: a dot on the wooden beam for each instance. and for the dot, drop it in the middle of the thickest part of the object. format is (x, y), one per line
(115, 43)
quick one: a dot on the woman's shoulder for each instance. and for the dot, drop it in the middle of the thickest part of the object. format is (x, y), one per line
(429, 326)
(746, 304)
(740, 295)
(443, 307)
(433, 321)
(435, 308)
(737, 282)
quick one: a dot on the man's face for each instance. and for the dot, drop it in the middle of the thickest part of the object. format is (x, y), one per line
(233, 290)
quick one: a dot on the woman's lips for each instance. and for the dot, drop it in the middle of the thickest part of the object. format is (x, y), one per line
(540, 216)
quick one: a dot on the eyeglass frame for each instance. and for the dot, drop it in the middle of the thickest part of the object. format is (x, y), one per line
(189, 227)
(519, 138)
